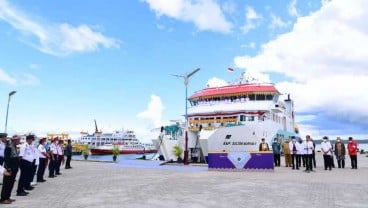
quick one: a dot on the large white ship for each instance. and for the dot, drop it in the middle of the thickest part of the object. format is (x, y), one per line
(230, 118)
(126, 140)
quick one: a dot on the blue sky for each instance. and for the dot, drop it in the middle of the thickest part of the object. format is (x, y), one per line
(73, 62)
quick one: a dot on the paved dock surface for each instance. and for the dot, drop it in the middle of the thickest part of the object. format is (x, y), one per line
(146, 184)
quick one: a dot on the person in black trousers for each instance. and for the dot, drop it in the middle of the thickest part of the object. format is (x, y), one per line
(42, 157)
(11, 163)
(68, 154)
(26, 166)
(53, 158)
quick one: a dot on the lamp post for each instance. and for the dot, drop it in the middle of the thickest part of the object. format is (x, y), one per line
(186, 82)
(7, 110)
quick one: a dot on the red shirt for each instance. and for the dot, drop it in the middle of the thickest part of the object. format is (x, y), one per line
(352, 148)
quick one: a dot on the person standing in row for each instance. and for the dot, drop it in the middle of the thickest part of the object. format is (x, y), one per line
(276, 149)
(11, 162)
(5, 173)
(60, 153)
(53, 157)
(340, 153)
(352, 148)
(26, 166)
(35, 163)
(300, 153)
(286, 151)
(263, 146)
(42, 157)
(293, 151)
(326, 150)
(308, 153)
(68, 154)
(2, 146)
(314, 154)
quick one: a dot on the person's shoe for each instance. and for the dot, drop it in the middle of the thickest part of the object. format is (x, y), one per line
(7, 201)
(58, 173)
(22, 194)
(12, 200)
(30, 188)
(51, 176)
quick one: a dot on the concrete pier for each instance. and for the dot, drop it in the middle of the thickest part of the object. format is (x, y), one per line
(146, 184)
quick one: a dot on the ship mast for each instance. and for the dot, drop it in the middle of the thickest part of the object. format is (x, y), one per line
(96, 129)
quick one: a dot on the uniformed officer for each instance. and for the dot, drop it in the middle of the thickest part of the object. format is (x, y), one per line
(6, 173)
(11, 162)
(26, 166)
(53, 157)
(2, 146)
(60, 156)
(42, 158)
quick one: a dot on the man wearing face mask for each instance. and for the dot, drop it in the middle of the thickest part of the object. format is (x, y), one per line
(352, 148)
(293, 152)
(309, 148)
(340, 153)
(326, 150)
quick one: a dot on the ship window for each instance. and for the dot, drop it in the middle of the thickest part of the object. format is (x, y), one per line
(261, 97)
(242, 117)
(251, 118)
(228, 136)
(252, 97)
(269, 97)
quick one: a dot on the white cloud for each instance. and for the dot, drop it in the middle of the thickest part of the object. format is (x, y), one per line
(204, 14)
(216, 82)
(276, 22)
(252, 19)
(292, 9)
(154, 111)
(325, 55)
(55, 39)
(250, 45)
(163, 27)
(4, 77)
(28, 79)
(229, 7)
(18, 78)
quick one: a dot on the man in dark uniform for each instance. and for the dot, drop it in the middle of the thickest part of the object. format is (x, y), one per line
(11, 163)
(68, 154)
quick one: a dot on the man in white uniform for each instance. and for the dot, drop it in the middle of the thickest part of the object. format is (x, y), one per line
(26, 157)
(309, 149)
(326, 148)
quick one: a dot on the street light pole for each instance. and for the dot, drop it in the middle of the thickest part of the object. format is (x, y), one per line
(186, 82)
(7, 110)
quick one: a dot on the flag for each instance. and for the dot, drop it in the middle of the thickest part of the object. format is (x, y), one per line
(230, 69)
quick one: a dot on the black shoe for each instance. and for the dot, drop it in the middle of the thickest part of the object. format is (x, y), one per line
(22, 194)
(29, 188)
(41, 181)
(58, 173)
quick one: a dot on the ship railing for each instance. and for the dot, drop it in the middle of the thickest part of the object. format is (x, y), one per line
(224, 120)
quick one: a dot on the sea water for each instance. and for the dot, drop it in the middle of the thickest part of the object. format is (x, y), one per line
(109, 157)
